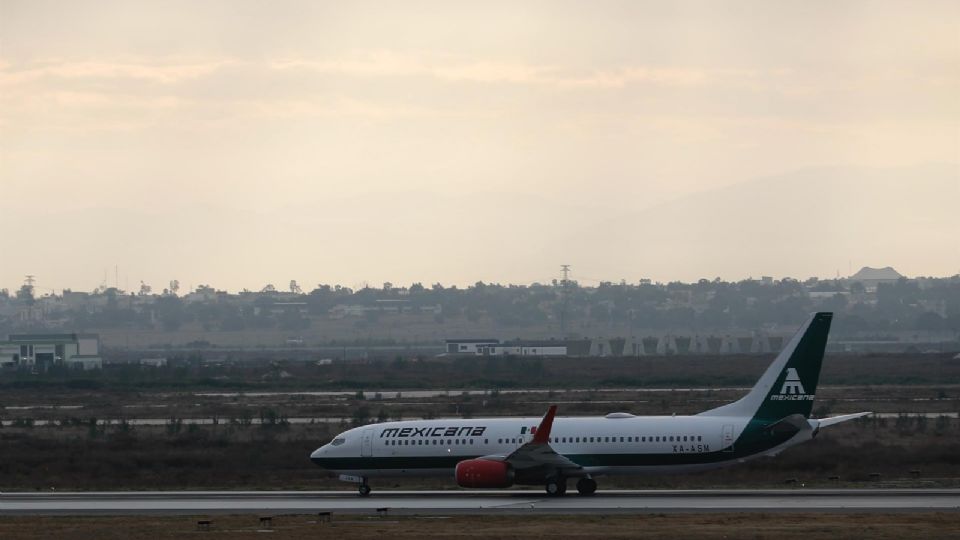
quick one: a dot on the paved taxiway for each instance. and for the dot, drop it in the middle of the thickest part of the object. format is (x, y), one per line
(472, 502)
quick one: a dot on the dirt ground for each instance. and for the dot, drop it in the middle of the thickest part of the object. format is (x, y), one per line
(674, 526)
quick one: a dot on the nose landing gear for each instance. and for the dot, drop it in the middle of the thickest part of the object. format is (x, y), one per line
(364, 488)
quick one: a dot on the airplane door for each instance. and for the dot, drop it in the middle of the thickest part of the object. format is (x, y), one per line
(366, 443)
(726, 441)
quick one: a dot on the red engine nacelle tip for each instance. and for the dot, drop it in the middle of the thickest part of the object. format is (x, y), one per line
(484, 473)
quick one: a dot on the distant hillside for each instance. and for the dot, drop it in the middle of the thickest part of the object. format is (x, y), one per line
(810, 223)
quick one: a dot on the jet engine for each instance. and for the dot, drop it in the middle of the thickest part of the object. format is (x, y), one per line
(484, 473)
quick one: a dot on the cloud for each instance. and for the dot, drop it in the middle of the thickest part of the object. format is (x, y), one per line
(126, 92)
(458, 68)
(163, 71)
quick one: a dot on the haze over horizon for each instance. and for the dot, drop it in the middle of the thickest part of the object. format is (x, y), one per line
(242, 143)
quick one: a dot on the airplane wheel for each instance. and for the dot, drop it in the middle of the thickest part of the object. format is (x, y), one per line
(554, 489)
(364, 490)
(587, 486)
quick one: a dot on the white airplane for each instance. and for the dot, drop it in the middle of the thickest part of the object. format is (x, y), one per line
(501, 452)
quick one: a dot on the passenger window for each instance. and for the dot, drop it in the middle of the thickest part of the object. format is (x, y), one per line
(671, 438)
(699, 438)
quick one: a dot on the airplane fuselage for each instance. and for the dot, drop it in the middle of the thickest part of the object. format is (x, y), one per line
(615, 444)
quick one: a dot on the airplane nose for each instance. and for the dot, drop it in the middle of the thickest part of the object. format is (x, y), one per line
(318, 453)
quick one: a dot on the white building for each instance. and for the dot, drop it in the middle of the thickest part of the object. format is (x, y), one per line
(522, 348)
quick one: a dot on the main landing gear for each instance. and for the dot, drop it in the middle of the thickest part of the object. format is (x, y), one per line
(364, 488)
(556, 487)
(586, 486)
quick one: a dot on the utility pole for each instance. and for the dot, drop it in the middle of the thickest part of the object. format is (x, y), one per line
(564, 296)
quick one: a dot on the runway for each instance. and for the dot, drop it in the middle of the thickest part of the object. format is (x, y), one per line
(475, 502)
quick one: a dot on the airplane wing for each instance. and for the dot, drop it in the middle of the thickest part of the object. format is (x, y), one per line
(538, 452)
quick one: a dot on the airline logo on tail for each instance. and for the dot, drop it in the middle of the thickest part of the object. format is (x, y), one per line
(792, 389)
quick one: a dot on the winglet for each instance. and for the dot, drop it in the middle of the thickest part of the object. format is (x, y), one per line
(543, 432)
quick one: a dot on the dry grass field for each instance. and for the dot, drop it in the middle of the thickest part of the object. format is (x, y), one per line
(135, 429)
(780, 526)
(904, 451)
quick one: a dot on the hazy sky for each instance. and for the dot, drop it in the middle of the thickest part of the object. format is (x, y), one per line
(240, 143)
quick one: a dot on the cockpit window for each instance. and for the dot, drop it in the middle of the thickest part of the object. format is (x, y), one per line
(338, 441)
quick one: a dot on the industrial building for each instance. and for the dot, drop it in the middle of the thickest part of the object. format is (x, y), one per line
(39, 352)
(469, 345)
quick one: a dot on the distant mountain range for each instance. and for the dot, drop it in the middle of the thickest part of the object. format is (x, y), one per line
(811, 223)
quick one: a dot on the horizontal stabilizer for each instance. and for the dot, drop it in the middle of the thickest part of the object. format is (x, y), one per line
(824, 422)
